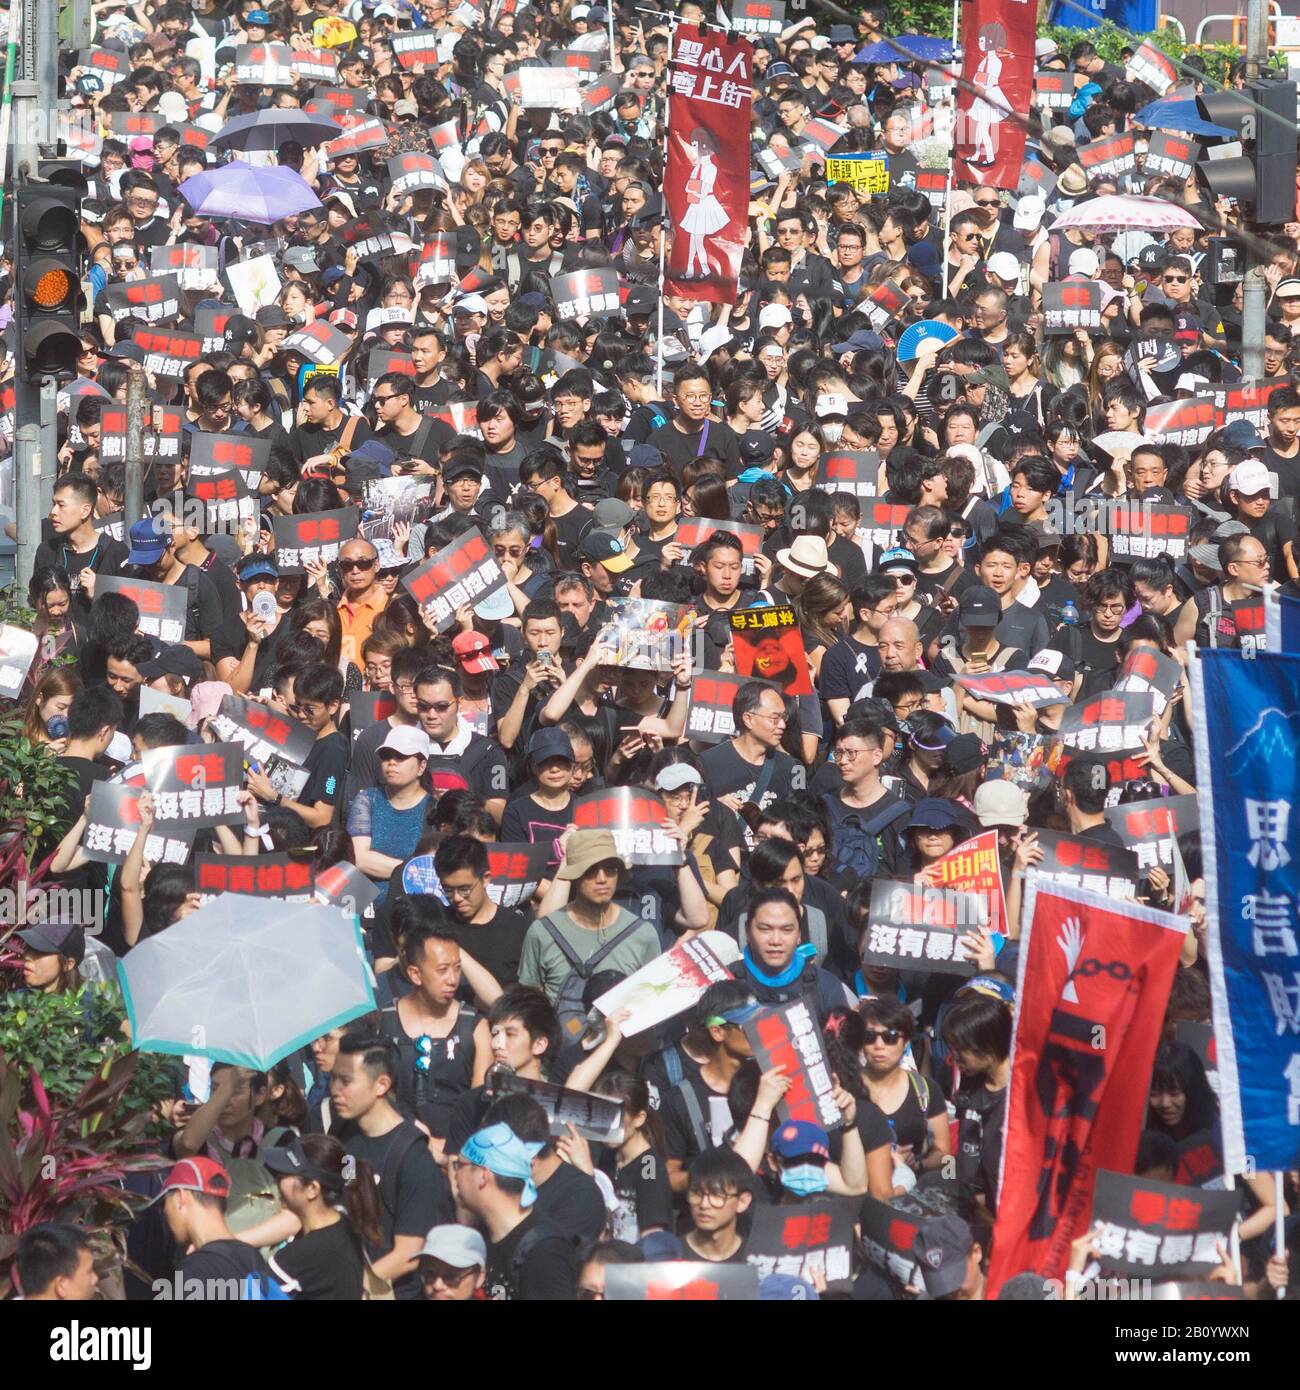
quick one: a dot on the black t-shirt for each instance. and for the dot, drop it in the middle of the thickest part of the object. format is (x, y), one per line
(679, 449)
(1103, 834)
(326, 765)
(466, 1118)
(307, 441)
(908, 1124)
(325, 1265)
(725, 771)
(525, 821)
(980, 1117)
(1287, 470)
(107, 556)
(846, 668)
(533, 1264)
(571, 1201)
(682, 1131)
(218, 1260)
(645, 1197)
(569, 530)
(495, 945)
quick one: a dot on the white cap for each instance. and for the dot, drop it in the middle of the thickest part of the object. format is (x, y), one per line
(1002, 265)
(1029, 212)
(471, 304)
(382, 318)
(458, 1247)
(407, 739)
(580, 12)
(774, 316)
(1001, 803)
(1084, 262)
(1044, 48)
(1249, 478)
(677, 775)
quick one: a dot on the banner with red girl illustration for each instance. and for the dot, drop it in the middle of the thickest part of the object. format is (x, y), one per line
(997, 40)
(707, 176)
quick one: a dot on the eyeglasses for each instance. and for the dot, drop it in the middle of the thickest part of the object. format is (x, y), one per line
(466, 892)
(404, 686)
(391, 396)
(434, 707)
(1119, 607)
(775, 718)
(888, 1036)
(346, 565)
(1176, 279)
(988, 202)
(712, 1199)
(514, 550)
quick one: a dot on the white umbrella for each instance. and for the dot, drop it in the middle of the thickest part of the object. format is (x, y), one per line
(246, 980)
(1117, 212)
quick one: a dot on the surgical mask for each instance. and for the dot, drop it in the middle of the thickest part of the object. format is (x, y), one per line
(804, 1179)
(832, 430)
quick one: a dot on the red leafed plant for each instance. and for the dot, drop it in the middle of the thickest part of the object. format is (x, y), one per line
(66, 1162)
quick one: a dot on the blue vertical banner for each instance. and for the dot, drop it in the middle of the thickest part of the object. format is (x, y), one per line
(1281, 621)
(1246, 724)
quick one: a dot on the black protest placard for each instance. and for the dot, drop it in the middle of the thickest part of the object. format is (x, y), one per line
(369, 237)
(316, 65)
(1071, 304)
(345, 886)
(695, 530)
(635, 817)
(228, 499)
(1153, 67)
(934, 184)
(768, 645)
(600, 95)
(256, 876)
(1053, 89)
(889, 1241)
(195, 267)
(167, 352)
(438, 260)
(113, 821)
(1036, 180)
(776, 162)
(882, 521)
(126, 125)
(787, 1036)
(319, 342)
(686, 1281)
(111, 65)
(1173, 155)
(884, 303)
(114, 525)
(263, 731)
(1146, 670)
(153, 299)
(1149, 828)
(213, 454)
(1013, 687)
(1246, 400)
(368, 707)
(915, 927)
(463, 572)
(1160, 1228)
(1140, 530)
(17, 648)
(1087, 863)
(162, 606)
(1185, 422)
(358, 137)
(1125, 765)
(210, 322)
(708, 716)
(1110, 721)
(380, 362)
(415, 169)
(515, 872)
(312, 537)
(851, 470)
(1109, 158)
(580, 293)
(1249, 622)
(758, 16)
(595, 1118)
(196, 785)
(264, 65)
(813, 1238)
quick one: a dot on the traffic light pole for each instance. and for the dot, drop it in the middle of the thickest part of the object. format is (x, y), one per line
(1254, 290)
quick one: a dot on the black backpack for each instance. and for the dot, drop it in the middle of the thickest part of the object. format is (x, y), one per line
(856, 835)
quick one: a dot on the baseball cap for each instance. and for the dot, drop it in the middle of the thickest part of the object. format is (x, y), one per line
(344, 200)
(288, 1158)
(935, 813)
(774, 316)
(273, 316)
(942, 1247)
(897, 558)
(1051, 663)
(240, 329)
(149, 539)
(1241, 434)
(406, 108)
(965, 753)
(550, 743)
(1249, 478)
(861, 340)
(177, 660)
(980, 607)
(198, 1174)
(259, 17)
(602, 548)
(1001, 803)
(300, 258)
(1029, 213)
(641, 299)
(458, 1247)
(1187, 328)
(1004, 266)
(676, 776)
(407, 739)
(55, 939)
(474, 652)
(1084, 262)
(797, 1138)
(612, 514)
(460, 468)
(258, 567)
(757, 448)
(1207, 552)
(471, 304)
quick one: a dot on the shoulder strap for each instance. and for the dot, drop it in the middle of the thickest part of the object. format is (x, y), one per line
(1000, 661)
(764, 780)
(594, 960)
(817, 929)
(526, 1243)
(673, 1065)
(350, 429)
(695, 1113)
(568, 952)
(408, 1137)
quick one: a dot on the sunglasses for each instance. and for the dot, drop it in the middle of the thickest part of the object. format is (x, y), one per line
(356, 565)
(888, 1036)
(434, 707)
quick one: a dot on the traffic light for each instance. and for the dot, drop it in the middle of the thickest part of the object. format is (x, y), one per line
(1262, 177)
(47, 279)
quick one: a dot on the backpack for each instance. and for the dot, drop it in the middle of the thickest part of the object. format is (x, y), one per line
(568, 1002)
(857, 836)
(1208, 626)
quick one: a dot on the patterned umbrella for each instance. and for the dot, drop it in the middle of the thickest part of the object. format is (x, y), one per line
(248, 192)
(1125, 213)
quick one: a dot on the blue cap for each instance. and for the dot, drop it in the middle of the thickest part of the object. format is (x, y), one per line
(258, 567)
(332, 275)
(785, 1288)
(924, 258)
(659, 1246)
(933, 812)
(373, 451)
(796, 1138)
(150, 537)
(258, 17)
(862, 340)
(550, 743)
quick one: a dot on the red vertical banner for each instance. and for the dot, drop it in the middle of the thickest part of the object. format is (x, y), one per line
(707, 176)
(997, 40)
(1094, 979)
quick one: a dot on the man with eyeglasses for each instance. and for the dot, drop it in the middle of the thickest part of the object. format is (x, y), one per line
(965, 249)
(853, 663)
(1207, 616)
(867, 818)
(409, 434)
(459, 759)
(752, 766)
(690, 432)
(405, 666)
(491, 936)
(364, 598)
(140, 194)
(317, 695)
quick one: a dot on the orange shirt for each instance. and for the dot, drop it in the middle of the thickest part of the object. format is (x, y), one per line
(357, 620)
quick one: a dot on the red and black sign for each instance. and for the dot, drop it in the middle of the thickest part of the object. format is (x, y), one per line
(1149, 828)
(1185, 422)
(579, 59)
(113, 822)
(768, 645)
(1112, 720)
(369, 236)
(682, 1281)
(889, 1241)
(210, 322)
(851, 470)
(111, 64)
(1248, 618)
(382, 361)
(162, 440)
(1110, 158)
(579, 294)
(1053, 89)
(265, 65)
(126, 125)
(882, 520)
(708, 717)
(884, 303)
(227, 498)
(1036, 179)
(345, 886)
(368, 707)
(1159, 1227)
(418, 47)
(167, 352)
(813, 1238)
(316, 65)
(1247, 401)
(635, 817)
(1139, 530)
(343, 98)
(1151, 66)
(437, 264)
(515, 872)
(312, 537)
(1071, 304)
(162, 606)
(1014, 687)
(463, 572)
(1146, 669)
(214, 453)
(758, 16)
(259, 876)
(600, 95)
(363, 135)
(194, 136)
(1175, 156)
(1128, 765)
(263, 731)
(318, 342)
(196, 784)
(915, 927)
(934, 184)
(787, 1036)
(153, 299)
(695, 530)
(415, 169)
(1088, 864)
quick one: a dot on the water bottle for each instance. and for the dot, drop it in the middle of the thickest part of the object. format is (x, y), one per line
(1069, 614)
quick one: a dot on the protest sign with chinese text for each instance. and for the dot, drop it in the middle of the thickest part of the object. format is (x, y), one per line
(788, 1035)
(769, 645)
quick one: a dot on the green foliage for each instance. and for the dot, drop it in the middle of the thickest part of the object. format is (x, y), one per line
(34, 788)
(1110, 42)
(930, 17)
(14, 609)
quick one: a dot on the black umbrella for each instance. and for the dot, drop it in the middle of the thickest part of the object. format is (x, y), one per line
(268, 130)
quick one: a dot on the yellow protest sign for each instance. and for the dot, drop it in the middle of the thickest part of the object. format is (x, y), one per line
(861, 170)
(333, 32)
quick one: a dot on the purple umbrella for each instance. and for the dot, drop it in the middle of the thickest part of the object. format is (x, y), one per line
(249, 192)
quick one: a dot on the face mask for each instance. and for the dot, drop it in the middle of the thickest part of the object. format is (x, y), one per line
(832, 430)
(804, 1179)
